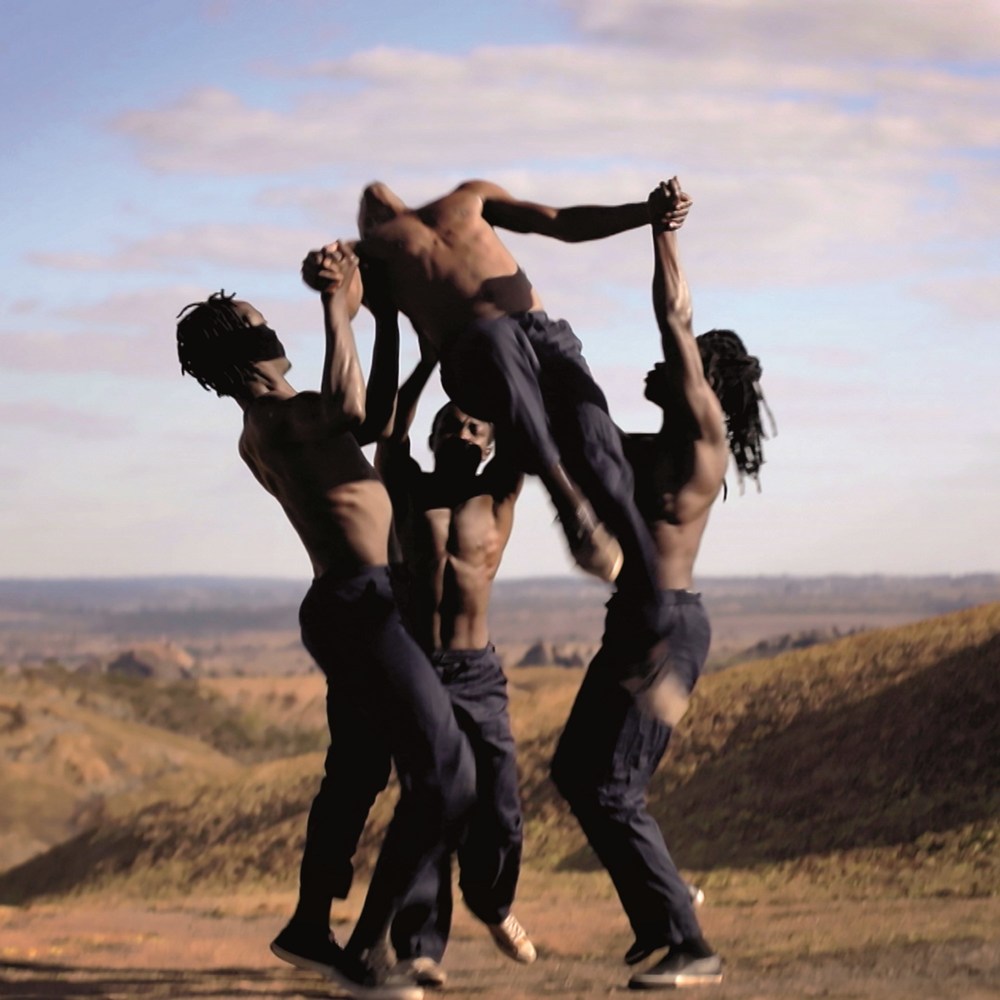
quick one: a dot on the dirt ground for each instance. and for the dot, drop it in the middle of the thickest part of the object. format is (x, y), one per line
(209, 948)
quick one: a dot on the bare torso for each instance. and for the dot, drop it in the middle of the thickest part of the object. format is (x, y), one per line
(447, 266)
(453, 544)
(327, 488)
(675, 486)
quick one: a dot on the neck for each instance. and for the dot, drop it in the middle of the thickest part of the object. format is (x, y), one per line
(268, 382)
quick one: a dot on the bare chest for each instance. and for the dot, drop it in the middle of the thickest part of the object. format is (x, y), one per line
(466, 533)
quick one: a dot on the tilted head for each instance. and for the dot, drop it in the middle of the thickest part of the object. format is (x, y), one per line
(460, 443)
(379, 203)
(734, 376)
(665, 385)
(220, 340)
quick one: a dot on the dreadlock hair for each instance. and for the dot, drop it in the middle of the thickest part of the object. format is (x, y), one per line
(217, 347)
(734, 376)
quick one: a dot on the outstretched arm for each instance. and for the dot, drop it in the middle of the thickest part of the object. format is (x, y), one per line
(674, 312)
(571, 225)
(333, 272)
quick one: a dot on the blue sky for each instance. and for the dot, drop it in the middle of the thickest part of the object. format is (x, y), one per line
(844, 159)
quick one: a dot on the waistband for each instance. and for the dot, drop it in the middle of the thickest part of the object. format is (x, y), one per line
(332, 580)
(681, 596)
(451, 657)
(619, 601)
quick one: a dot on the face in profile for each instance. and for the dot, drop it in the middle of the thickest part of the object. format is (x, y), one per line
(262, 341)
(662, 386)
(460, 443)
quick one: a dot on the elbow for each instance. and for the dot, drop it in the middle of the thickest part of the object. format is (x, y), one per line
(344, 413)
(354, 411)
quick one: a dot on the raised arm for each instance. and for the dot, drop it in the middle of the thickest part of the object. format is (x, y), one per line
(576, 224)
(383, 378)
(409, 396)
(333, 272)
(673, 309)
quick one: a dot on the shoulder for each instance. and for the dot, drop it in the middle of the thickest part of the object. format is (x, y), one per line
(272, 411)
(501, 481)
(289, 417)
(483, 190)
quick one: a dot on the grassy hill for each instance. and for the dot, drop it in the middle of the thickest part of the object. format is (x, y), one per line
(74, 746)
(871, 764)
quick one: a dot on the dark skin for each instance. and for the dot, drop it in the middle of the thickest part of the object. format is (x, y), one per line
(453, 523)
(680, 469)
(447, 266)
(305, 447)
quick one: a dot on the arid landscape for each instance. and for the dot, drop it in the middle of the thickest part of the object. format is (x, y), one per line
(834, 789)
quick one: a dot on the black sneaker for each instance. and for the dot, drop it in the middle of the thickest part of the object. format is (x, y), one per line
(678, 969)
(306, 949)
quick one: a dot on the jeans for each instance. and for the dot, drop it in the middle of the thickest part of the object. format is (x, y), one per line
(489, 856)
(384, 704)
(605, 760)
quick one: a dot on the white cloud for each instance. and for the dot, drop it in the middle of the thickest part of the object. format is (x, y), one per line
(831, 30)
(259, 247)
(76, 421)
(969, 298)
(550, 104)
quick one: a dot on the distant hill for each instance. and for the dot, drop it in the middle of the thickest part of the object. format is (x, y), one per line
(251, 625)
(870, 761)
(75, 745)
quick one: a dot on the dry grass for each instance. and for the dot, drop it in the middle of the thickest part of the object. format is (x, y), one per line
(865, 767)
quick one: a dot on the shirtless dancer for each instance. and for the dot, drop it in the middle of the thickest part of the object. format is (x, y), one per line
(504, 360)
(384, 701)
(612, 744)
(453, 526)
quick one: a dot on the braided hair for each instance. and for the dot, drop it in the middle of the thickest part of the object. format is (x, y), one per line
(217, 346)
(734, 376)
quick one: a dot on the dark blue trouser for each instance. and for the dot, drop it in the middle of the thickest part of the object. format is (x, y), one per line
(489, 856)
(605, 760)
(384, 703)
(526, 373)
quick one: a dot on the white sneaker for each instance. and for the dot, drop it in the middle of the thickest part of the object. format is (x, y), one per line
(422, 970)
(512, 939)
(697, 896)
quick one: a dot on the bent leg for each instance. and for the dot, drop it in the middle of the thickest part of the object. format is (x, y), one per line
(602, 767)
(591, 449)
(491, 372)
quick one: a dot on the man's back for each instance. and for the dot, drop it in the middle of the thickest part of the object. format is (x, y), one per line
(447, 265)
